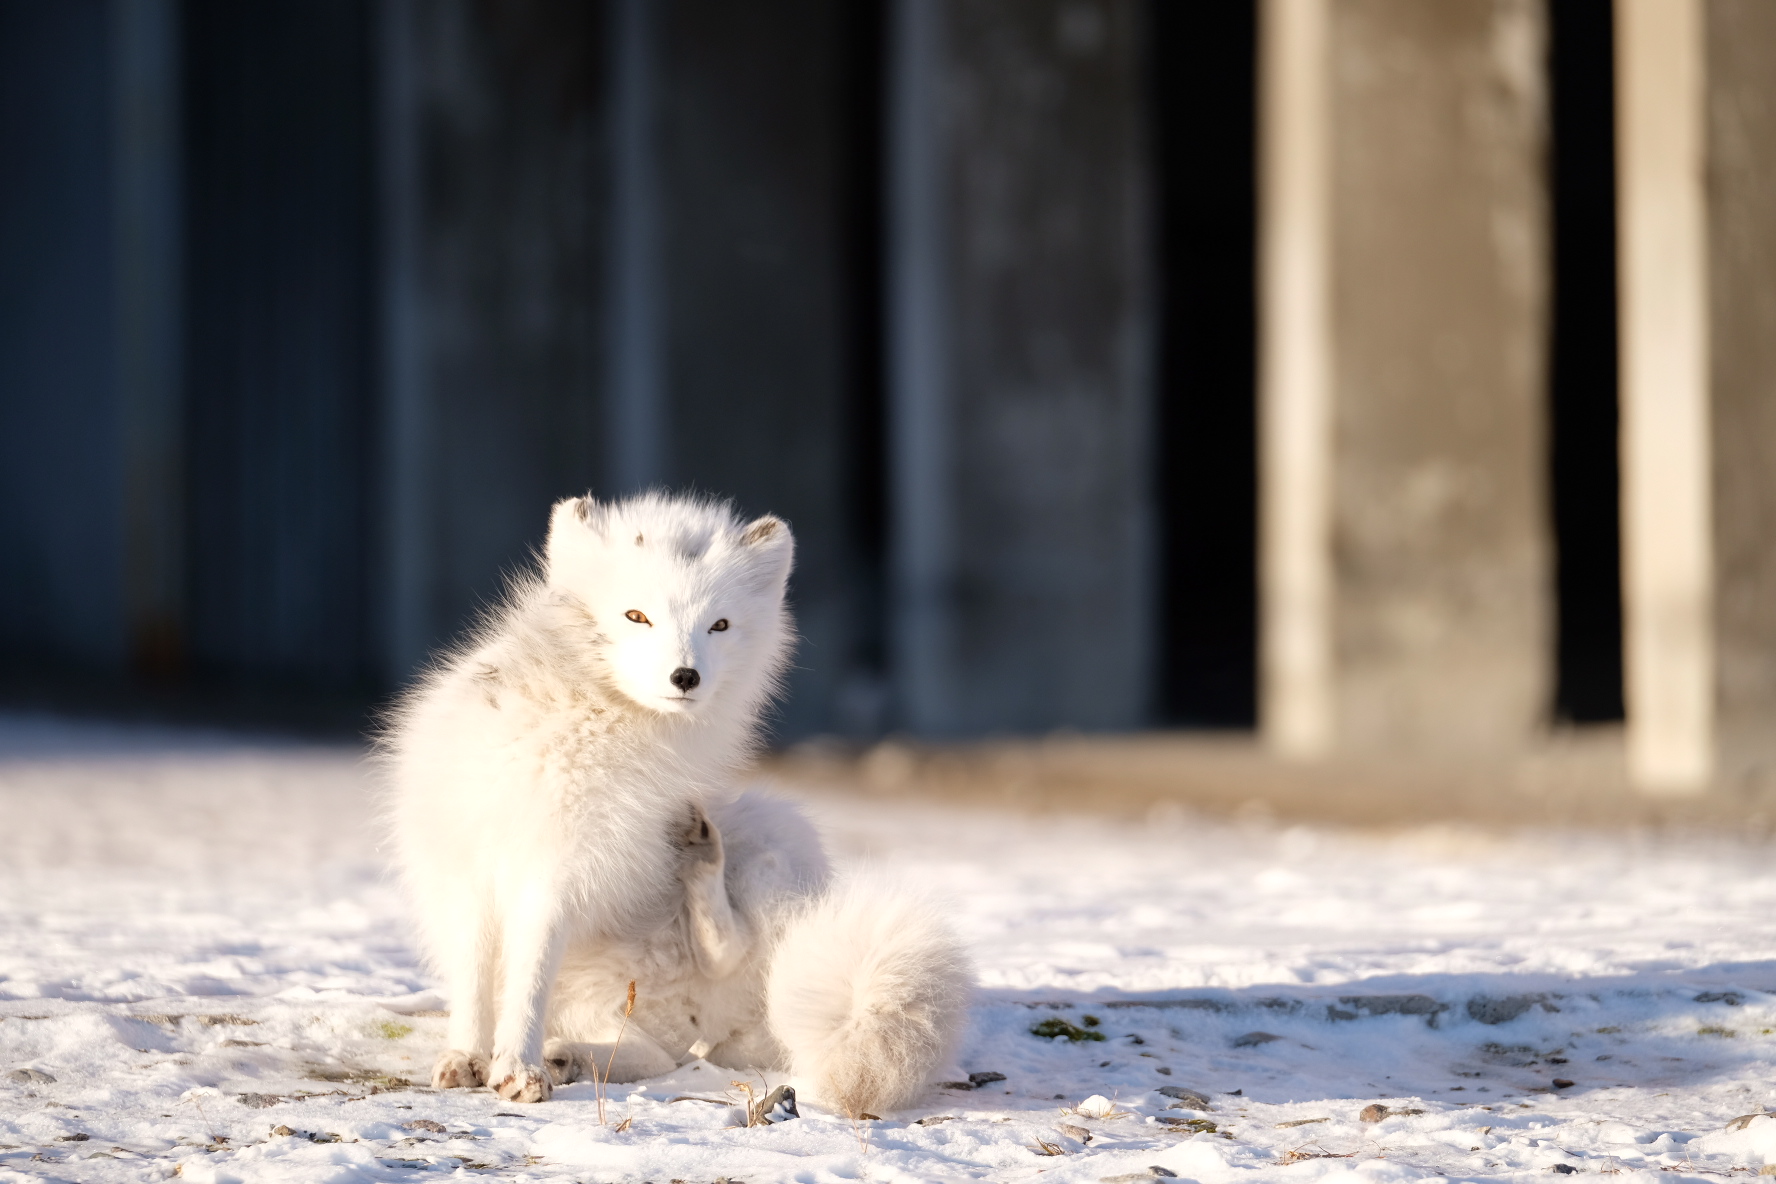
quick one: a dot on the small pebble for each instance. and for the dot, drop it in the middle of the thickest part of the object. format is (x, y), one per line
(1375, 1112)
(1197, 1099)
(780, 1106)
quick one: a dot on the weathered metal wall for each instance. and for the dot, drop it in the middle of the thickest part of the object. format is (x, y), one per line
(494, 178)
(505, 288)
(1023, 520)
(61, 493)
(755, 133)
(280, 328)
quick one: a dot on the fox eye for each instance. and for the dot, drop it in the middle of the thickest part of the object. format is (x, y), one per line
(639, 617)
(719, 626)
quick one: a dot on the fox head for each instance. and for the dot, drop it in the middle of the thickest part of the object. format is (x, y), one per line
(686, 600)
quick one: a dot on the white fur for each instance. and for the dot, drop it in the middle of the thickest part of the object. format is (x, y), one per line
(563, 816)
(867, 991)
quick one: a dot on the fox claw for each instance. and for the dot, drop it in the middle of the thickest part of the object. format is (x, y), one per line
(701, 840)
(517, 1082)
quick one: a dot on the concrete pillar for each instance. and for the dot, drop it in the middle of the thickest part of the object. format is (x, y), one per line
(1019, 387)
(1696, 118)
(1405, 553)
(1741, 47)
(1667, 567)
(1295, 375)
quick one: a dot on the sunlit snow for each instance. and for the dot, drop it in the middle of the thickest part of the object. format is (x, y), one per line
(199, 949)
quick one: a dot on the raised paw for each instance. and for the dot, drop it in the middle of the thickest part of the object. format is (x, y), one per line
(700, 840)
(517, 1082)
(459, 1070)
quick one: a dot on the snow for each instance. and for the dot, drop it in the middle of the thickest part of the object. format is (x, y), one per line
(199, 944)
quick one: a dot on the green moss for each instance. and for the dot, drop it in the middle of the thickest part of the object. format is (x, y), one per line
(1090, 1021)
(1056, 1026)
(394, 1030)
(1712, 1030)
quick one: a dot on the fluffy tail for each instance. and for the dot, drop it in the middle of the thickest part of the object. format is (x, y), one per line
(867, 993)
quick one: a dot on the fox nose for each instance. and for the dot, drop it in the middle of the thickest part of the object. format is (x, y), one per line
(685, 678)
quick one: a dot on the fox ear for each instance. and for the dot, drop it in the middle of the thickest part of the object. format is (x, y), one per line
(771, 546)
(576, 535)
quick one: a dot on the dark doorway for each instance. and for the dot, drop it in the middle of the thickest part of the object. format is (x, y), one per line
(1583, 377)
(1202, 63)
(864, 82)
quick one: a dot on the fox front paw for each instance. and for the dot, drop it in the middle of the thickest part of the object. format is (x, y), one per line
(459, 1070)
(701, 843)
(515, 1081)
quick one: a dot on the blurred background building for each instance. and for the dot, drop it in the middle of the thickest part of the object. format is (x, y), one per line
(1120, 363)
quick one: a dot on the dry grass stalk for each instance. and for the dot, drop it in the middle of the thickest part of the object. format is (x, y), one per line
(758, 1106)
(208, 1125)
(860, 1132)
(1313, 1151)
(600, 1084)
(750, 1103)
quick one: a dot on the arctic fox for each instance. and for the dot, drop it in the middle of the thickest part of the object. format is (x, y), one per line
(563, 818)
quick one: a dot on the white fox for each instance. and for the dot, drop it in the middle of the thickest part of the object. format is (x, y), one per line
(563, 818)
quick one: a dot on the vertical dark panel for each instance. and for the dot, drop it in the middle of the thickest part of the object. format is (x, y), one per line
(1584, 448)
(754, 126)
(279, 332)
(509, 197)
(60, 496)
(1022, 379)
(863, 79)
(1202, 61)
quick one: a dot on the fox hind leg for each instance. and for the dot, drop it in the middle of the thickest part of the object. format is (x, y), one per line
(635, 1057)
(718, 934)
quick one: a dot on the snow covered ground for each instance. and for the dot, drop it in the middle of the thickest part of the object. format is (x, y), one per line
(204, 973)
